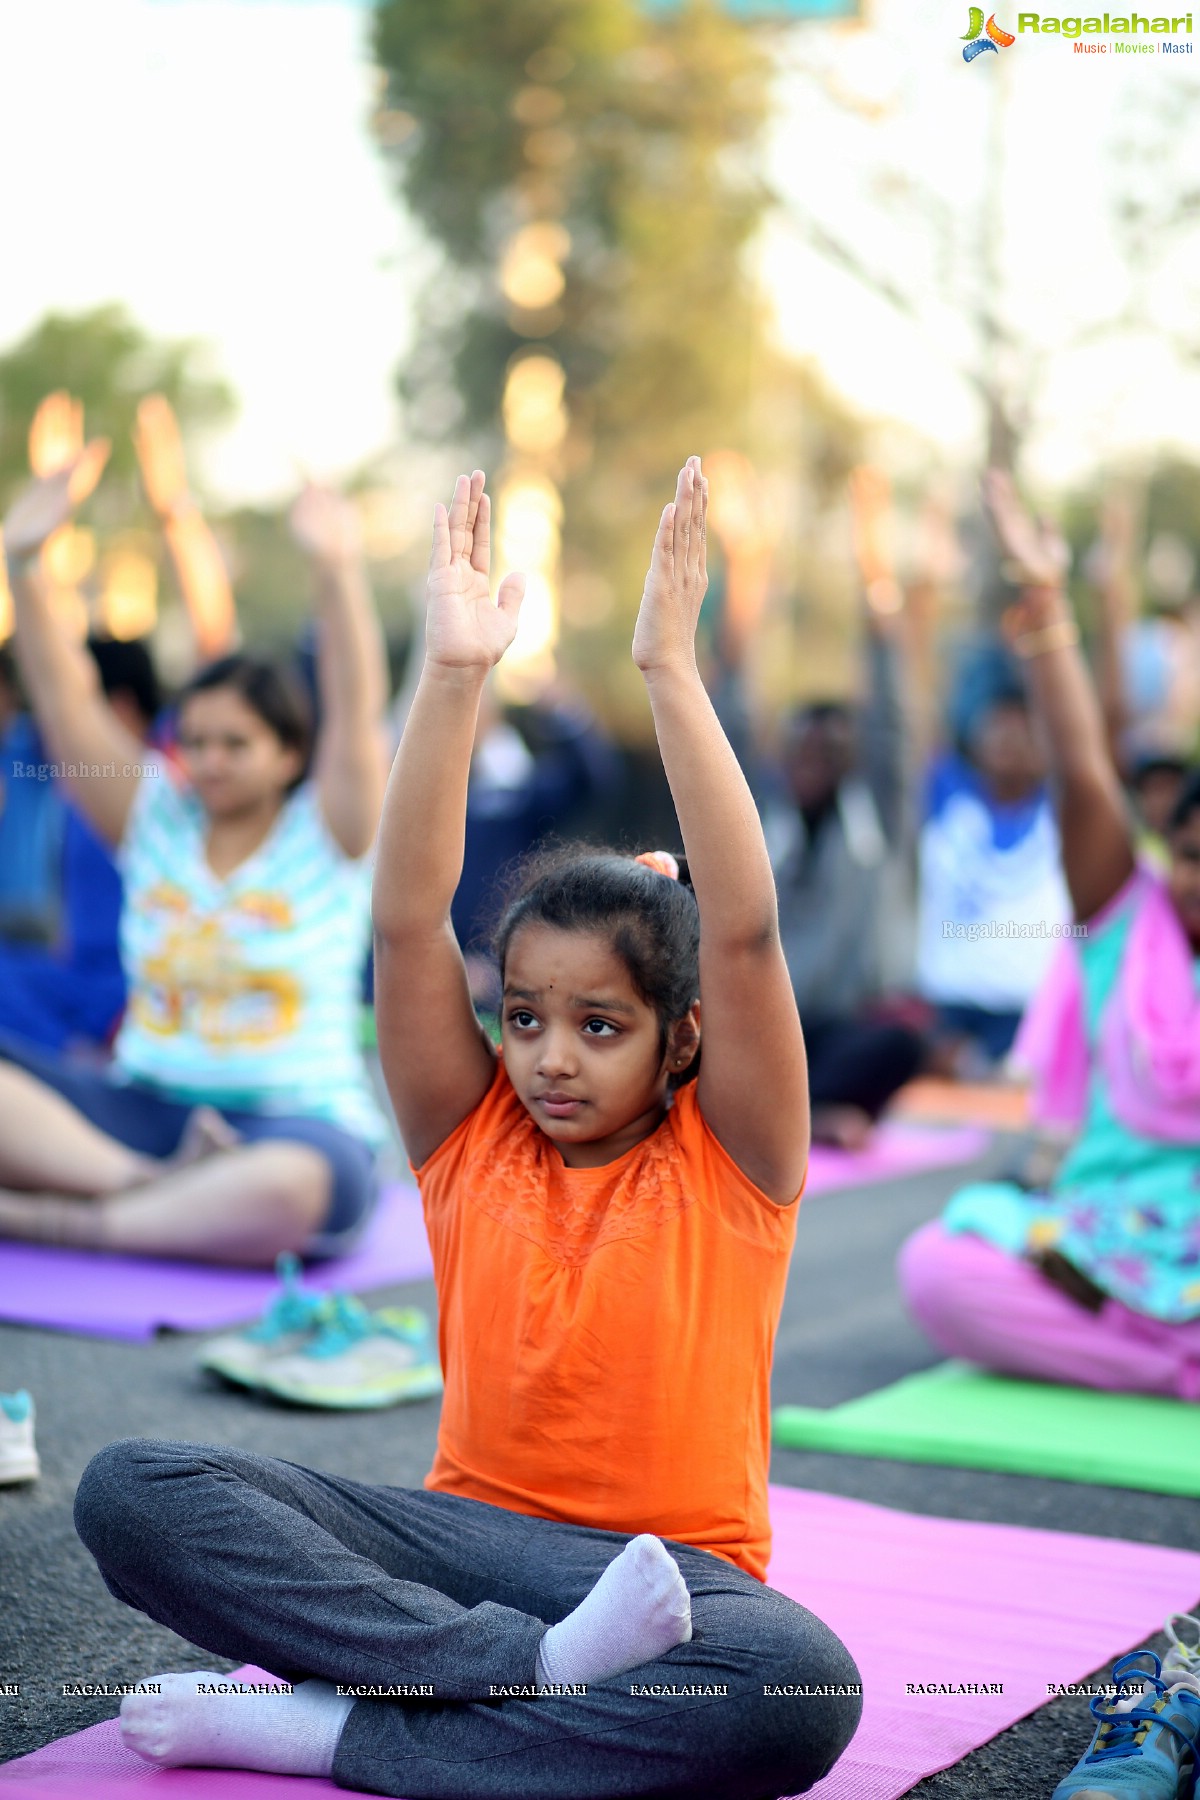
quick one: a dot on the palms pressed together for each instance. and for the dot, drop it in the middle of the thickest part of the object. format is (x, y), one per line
(677, 579)
(466, 628)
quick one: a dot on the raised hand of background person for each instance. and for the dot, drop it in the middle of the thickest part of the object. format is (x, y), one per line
(55, 442)
(1097, 845)
(1118, 533)
(677, 579)
(76, 722)
(464, 627)
(325, 525)
(1035, 555)
(159, 448)
(49, 501)
(199, 567)
(870, 516)
(56, 434)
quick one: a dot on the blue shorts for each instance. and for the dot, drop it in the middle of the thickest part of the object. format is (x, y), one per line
(151, 1123)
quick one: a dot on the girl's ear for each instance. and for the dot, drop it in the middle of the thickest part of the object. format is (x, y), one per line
(683, 1041)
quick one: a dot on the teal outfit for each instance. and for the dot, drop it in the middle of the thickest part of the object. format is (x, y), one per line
(1124, 1208)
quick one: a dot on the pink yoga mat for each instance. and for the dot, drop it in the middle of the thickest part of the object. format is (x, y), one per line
(133, 1296)
(917, 1600)
(897, 1149)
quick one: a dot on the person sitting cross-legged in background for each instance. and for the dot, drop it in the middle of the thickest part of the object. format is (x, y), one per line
(237, 1120)
(1097, 1281)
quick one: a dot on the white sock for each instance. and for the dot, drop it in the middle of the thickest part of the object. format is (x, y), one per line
(637, 1611)
(286, 1734)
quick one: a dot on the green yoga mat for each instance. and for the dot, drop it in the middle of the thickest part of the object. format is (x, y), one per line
(963, 1418)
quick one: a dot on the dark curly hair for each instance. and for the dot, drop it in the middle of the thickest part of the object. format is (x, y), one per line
(652, 922)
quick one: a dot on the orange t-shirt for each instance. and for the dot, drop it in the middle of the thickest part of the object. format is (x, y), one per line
(606, 1334)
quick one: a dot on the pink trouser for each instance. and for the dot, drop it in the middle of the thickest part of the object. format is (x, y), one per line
(978, 1302)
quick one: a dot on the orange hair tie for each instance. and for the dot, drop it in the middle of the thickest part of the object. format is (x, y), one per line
(661, 861)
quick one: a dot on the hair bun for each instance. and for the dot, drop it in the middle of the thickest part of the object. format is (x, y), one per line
(661, 861)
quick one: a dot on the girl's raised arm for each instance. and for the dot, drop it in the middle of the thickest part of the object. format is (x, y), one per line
(80, 728)
(753, 1081)
(1097, 840)
(436, 1058)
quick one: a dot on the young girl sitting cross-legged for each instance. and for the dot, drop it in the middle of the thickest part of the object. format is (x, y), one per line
(580, 1587)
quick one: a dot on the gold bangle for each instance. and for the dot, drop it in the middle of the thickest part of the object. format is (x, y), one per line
(1057, 636)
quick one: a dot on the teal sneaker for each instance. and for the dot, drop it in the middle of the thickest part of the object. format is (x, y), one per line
(358, 1360)
(1145, 1745)
(18, 1457)
(290, 1320)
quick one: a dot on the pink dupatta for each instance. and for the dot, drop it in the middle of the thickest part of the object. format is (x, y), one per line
(1148, 1054)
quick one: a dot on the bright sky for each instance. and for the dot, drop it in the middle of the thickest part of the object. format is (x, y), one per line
(209, 163)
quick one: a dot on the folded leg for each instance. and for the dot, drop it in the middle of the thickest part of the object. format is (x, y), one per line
(995, 1309)
(310, 1575)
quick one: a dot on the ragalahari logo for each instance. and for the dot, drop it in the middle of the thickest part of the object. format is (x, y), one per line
(975, 44)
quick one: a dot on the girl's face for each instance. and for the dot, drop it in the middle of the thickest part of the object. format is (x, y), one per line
(581, 1046)
(233, 759)
(1183, 880)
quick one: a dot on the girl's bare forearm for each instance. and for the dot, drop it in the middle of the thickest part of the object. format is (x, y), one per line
(1066, 703)
(58, 673)
(422, 834)
(351, 666)
(1097, 843)
(203, 581)
(722, 836)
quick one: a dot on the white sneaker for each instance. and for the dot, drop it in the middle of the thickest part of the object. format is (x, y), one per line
(18, 1458)
(358, 1359)
(290, 1321)
(1182, 1661)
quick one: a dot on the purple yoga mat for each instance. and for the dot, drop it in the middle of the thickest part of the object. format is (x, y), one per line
(133, 1296)
(917, 1600)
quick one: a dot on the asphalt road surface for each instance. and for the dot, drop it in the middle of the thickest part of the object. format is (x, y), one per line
(843, 1333)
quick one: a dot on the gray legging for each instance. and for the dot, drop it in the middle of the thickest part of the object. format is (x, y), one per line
(307, 1574)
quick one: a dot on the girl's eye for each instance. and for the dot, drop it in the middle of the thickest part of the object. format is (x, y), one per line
(521, 1019)
(603, 1028)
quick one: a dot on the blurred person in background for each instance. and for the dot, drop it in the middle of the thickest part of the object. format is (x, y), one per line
(31, 823)
(1097, 1280)
(838, 848)
(236, 1121)
(69, 996)
(990, 886)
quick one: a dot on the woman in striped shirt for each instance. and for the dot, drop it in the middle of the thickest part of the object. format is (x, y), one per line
(235, 1120)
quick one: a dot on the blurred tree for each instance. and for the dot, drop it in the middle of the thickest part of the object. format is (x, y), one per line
(590, 172)
(108, 361)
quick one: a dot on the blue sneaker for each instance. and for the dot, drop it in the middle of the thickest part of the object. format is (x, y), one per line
(358, 1359)
(1146, 1742)
(290, 1320)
